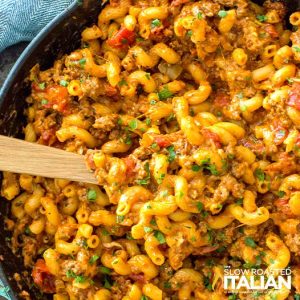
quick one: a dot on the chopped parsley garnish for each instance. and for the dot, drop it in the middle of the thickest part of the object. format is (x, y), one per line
(189, 33)
(164, 93)
(122, 82)
(167, 285)
(199, 15)
(120, 219)
(154, 145)
(147, 76)
(42, 85)
(160, 178)
(148, 229)
(297, 49)
(80, 279)
(105, 270)
(297, 296)
(64, 83)
(207, 283)
(250, 242)
(153, 102)
(172, 153)
(93, 259)
(159, 236)
(44, 101)
(70, 274)
(261, 18)
(239, 201)
(200, 206)
(128, 140)
(155, 23)
(106, 283)
(144, 297)
(281, 194)
(148, 121)
(133, 124)
(259, 174)
(145, 180)
(153, 222)
(196, 168)
(82, 62)
(91, 195)
(27, 230)
(222, 13)
(243, 108)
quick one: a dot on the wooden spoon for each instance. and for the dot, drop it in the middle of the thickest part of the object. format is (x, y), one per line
(18, 156)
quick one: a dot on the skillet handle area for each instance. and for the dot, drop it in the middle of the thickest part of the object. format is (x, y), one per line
(22, 157)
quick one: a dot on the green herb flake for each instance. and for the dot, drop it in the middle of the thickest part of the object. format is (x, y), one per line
(42, 85)
(281, 194)
(296, 48)
(82, 62)
(148, 229)
(259, 174)
(164, 93)
(167, 285)
(152, 102)
(172, 153)
(196, 168)
(27, 230)
(239, 201)
(91, 195)
(147, 75)
(148, 121)
(93, 259)
(250, 242)
(120, 219)
(261, 18)
(80, 279)
(297, 297)
(144, 297)
(64, 83)
(155, 23)
(44, 101)
(153, 222)
(222, 13)
(122, 82)
(189, 33)
(133, 124)
(105, 270)
(106, 283)
(70, 274)
(200, 206)
(159, 236)
(199, 15)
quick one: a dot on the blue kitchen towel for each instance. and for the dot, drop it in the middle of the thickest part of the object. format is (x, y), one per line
(21, 20)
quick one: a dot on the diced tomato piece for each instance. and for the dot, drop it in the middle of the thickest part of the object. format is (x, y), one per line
(294, 97)
(130, 165)
(48, 137)
(121, 38)
(162, 141)
(212, 136)
(271, 30)
(221, 100)
(282, 205)
(138, 278)
(55, 96)
(43, 278)
(110, 90)
(256, 146)
(179, 2)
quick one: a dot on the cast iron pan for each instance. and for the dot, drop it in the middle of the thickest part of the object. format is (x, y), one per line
(61, 36)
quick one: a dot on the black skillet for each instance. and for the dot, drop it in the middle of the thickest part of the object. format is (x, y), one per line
(61, 36)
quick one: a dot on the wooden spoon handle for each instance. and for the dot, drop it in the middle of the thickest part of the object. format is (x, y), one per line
(18, 156)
